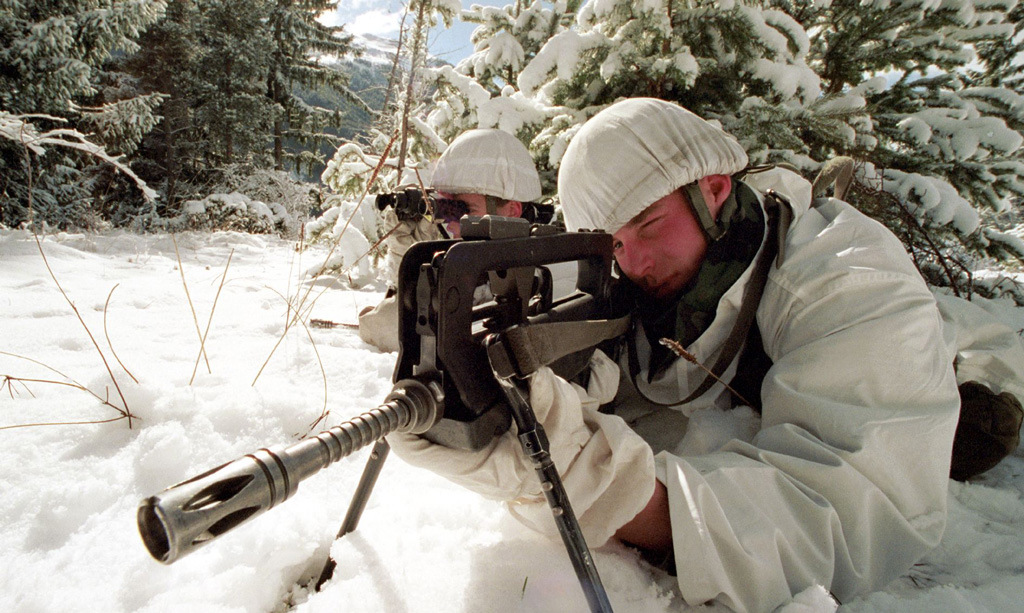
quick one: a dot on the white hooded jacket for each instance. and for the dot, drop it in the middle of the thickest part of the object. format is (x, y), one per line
(844, 484)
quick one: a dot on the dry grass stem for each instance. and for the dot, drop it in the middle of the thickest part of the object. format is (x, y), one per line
(195, 320)
(64, 423)
(202, 340)
(324, 412)
(106, 305)
(9, 384)
(678, 349)
(298, 307)
(8, 381)
(126, 412)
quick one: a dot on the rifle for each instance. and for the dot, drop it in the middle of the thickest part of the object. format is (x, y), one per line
(440, 390)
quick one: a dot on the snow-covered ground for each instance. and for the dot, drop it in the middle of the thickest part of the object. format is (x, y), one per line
(69, 493)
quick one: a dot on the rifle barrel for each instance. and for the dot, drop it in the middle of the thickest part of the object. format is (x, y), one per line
(186, 516)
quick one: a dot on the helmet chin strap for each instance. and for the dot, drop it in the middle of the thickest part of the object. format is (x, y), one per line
(712, 230)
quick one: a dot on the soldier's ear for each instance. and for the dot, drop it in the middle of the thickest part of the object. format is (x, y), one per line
(715, 189)
(515, 208)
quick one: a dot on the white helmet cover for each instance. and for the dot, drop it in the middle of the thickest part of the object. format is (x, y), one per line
(489, 162)
(635, 152)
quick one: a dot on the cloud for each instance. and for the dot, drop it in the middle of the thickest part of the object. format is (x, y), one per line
(379, 17)
(376, 22)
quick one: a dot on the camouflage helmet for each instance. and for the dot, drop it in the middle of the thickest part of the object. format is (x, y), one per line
(634, 153)
(489, 162)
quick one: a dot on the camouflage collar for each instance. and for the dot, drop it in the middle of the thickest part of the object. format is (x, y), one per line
(690, 313)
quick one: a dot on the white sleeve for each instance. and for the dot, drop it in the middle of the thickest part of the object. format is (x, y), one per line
(845, 484)
(987, 350)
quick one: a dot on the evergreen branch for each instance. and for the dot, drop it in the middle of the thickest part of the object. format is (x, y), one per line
(17, 129)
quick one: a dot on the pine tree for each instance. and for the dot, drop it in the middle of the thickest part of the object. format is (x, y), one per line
(230, 104)
(401, 136)
(401, 144)
(52, 56)
(301, 44)
(230, 70)
(939, 151)
(168, 60)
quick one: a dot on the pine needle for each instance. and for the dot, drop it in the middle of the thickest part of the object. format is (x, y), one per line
(678, 349)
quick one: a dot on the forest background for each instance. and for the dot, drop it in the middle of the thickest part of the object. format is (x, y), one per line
(255, 115)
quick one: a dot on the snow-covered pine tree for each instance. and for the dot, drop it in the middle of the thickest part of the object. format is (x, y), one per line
(400, 135)
(401, 145)
(891, 82)
(940, 154)
(727, 61)
(482, 91)
(52, 56)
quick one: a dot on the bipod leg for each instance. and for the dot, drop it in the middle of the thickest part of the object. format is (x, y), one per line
(355, 508)
(535, 444)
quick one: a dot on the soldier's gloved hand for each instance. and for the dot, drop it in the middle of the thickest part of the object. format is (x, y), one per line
(606, 468)
(404, 234)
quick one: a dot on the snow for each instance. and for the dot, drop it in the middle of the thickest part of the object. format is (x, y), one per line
(559, 57)
(67, 514)
(931, 197)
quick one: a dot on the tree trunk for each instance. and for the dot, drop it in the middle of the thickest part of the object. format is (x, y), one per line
(417, 42)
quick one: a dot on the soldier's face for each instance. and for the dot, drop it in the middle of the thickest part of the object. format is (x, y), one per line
(476, 204)
(661, 248)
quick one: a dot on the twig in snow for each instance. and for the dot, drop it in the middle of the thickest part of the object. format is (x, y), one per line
(125, 411)
(202, 341)
(9, 380)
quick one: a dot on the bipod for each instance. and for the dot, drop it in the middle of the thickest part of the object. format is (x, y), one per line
(355, 509)
(535, 445)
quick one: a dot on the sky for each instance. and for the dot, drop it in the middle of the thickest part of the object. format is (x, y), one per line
(383, 17)
(68, 535)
